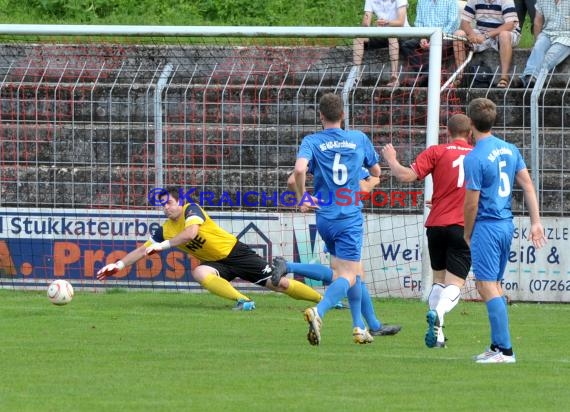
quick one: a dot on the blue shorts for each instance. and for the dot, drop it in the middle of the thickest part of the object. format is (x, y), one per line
(490, 247)
(343, 237)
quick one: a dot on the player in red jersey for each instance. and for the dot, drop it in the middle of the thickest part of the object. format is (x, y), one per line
(449, 254)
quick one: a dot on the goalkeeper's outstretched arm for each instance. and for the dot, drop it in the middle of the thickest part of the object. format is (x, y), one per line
(131, 258)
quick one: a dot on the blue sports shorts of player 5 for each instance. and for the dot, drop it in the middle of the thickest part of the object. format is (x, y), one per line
(490, 247)
(342, 237)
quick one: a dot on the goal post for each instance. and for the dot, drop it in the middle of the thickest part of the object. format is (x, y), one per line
(97, 117)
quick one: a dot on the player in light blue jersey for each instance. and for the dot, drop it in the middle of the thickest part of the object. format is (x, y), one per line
(334, 157)
(491, 170)
(326, 275)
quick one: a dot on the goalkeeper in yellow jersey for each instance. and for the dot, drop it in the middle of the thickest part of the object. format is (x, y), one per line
(222, 256)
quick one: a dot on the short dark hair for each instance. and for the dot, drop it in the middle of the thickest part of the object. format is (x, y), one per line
(483, 113)
(330, 107)
(459, 125)
(173, 192)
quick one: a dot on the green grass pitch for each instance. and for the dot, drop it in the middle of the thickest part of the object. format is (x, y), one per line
(144, 351)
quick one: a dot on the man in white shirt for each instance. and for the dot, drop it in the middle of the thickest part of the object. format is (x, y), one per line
(389, 13)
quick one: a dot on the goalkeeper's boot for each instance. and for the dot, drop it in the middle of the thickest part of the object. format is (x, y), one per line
(315, 325)
(386, 330)
(361, 336)
(245, 305)
(433, 328)
(279, 270)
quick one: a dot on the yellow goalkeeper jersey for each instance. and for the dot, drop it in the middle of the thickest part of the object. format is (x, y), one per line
(212, 243)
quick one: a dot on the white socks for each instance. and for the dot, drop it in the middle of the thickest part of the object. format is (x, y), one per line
(448, 299)
(434, 294)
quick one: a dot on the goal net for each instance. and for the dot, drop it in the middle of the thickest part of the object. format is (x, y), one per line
(95, 121)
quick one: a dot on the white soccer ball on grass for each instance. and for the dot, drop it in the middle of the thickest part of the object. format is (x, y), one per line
(60, 292)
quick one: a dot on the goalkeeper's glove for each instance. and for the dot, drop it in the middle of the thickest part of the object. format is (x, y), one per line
(157, 247)
(110, 269)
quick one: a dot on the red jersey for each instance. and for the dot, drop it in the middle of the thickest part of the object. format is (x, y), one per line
(445, 163)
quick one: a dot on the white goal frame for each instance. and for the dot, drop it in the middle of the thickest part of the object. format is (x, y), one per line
(435, 58)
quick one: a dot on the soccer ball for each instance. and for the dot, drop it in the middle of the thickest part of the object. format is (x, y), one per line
(60, 292)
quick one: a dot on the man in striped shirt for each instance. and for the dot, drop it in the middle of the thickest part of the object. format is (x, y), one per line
(496, 27)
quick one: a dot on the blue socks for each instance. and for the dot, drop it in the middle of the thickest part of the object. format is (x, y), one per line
(499, 321)
(312, 271)
(358, 293)
(355, 302)
(368, 310)
(335, 292)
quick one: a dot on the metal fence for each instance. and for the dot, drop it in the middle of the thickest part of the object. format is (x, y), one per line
(98, 124)
(91, 125)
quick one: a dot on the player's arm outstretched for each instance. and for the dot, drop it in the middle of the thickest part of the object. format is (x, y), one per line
(134, 256)
(536, 230)
(182, 238)
(131, 258)
(402, 173)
